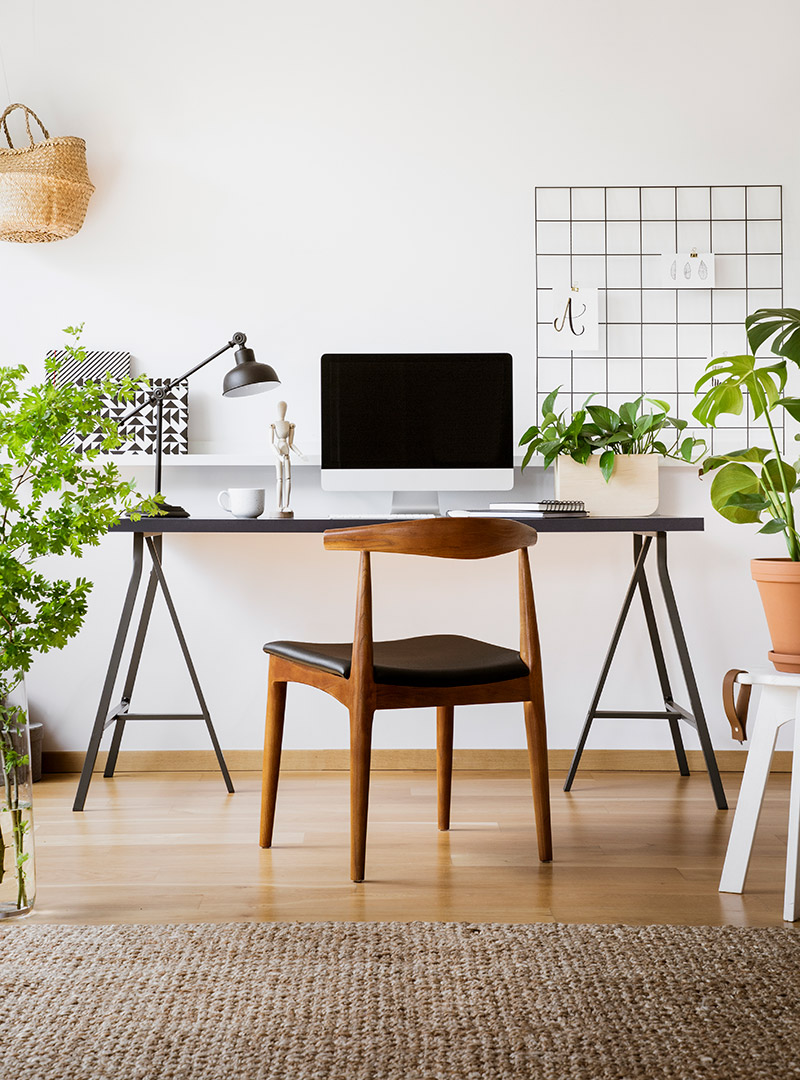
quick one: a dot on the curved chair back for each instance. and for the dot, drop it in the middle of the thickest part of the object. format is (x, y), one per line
(444, 538)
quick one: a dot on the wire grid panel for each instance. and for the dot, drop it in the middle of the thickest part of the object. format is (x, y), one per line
(654, 337)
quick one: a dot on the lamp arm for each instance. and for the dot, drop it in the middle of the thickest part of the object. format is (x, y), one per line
(161, 391)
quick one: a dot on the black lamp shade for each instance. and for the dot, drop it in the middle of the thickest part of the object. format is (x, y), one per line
(249, 376)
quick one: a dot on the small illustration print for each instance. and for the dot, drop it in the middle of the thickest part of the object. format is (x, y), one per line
(689, 270)
(573, 321)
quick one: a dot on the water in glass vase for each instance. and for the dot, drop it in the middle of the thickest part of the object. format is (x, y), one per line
(17, 875)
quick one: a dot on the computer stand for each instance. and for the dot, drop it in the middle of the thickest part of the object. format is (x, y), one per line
(415, 502)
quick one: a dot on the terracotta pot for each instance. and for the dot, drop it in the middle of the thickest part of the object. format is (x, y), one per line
(778, 583)
(632, 490)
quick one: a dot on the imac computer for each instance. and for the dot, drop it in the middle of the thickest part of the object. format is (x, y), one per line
(417, 424)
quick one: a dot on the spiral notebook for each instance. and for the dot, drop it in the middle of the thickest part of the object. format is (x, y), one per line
(547, 506)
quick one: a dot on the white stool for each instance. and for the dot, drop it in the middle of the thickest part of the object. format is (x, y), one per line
(780, 703)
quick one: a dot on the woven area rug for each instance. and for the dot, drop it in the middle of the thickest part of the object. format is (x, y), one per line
(409, 1001)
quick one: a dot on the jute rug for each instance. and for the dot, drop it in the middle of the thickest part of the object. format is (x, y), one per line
(411, 1001)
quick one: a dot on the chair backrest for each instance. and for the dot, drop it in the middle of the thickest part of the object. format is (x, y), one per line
(444, 538)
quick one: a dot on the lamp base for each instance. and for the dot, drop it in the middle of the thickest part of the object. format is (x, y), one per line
(167, 510)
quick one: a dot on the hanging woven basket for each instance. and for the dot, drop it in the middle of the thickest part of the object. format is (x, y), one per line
(44, 187)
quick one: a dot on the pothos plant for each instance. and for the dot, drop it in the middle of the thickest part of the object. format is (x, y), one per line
(53, 501)
(756, 484)
(599, 429)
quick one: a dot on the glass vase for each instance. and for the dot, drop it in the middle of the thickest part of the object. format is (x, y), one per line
(17, 874)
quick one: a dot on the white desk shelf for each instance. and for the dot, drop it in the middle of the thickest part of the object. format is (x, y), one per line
(201, 461)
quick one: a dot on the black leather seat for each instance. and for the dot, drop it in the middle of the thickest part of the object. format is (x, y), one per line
(434, 660)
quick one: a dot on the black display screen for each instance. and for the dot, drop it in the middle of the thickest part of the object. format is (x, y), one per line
(417, 411)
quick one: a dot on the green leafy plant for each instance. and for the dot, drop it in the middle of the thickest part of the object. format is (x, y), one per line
(755, 484)
(599, 429)
(53, 501)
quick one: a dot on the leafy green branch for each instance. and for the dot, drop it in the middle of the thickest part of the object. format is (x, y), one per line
(53, 501)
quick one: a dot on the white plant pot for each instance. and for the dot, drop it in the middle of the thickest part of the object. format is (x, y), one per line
(632, 490)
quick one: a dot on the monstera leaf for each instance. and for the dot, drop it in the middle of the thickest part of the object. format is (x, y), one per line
(780, 324)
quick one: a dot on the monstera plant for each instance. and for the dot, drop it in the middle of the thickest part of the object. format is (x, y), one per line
(756, 485)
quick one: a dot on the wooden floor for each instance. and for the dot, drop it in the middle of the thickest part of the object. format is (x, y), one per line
(175, 847)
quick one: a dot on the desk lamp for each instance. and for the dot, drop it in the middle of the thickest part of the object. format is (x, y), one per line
(247, 377)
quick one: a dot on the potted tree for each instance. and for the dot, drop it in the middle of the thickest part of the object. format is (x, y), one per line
(53, 501)
(756, 485)
(607, 459)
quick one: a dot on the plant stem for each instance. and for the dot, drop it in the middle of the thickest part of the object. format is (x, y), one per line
(18, 824)
(791, 532)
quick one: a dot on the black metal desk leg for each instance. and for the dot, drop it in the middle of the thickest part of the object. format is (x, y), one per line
(688, 673)
(638, 575)
(104, 707)
(661, 666)
(155, 554)
(133, 669)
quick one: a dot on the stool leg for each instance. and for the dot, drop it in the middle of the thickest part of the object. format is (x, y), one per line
(791, 896)
(751, 795)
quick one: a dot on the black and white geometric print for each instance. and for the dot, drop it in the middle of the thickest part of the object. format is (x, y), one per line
(138, 433)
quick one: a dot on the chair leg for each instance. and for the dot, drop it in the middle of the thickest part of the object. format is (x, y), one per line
(536, 734)
(791, 896)
(444, 763)
(273, 738)
(360, 751)
(771, 715)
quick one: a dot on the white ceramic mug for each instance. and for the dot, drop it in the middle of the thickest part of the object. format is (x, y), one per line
(242, 502)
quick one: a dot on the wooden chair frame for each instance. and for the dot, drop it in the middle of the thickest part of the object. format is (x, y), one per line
(460, 538)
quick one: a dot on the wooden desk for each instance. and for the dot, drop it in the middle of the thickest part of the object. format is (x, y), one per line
(149, 534)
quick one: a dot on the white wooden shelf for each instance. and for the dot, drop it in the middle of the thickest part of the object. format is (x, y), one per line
(262, 461)
(200, 461)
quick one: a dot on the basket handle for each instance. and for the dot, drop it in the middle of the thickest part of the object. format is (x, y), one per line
(28, 114)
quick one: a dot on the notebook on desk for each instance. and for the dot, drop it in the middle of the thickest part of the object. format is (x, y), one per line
(519, 513)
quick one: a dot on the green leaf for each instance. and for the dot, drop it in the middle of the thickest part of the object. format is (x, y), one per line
(549, 401)
(792, 406)
(750, 453)
(734, 478)
(724, 398)
(783, 324)
(747, 501)
(575, 424)
(629, 411)
(604, 417)
(774, 525)
(582, 453)
(607, 464)
(773, 470)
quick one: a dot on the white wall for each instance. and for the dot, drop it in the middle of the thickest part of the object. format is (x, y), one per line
(359, 175)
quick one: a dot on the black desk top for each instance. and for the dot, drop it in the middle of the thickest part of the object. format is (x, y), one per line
(652, 524)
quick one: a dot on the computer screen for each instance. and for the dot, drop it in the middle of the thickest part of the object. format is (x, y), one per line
(417, 422)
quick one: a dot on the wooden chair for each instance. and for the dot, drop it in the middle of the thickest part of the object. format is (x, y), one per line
(441, 671)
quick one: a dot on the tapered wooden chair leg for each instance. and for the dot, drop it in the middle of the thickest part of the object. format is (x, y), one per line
(360, 751)
(444, 763)
(273, 738)
(536, 733)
